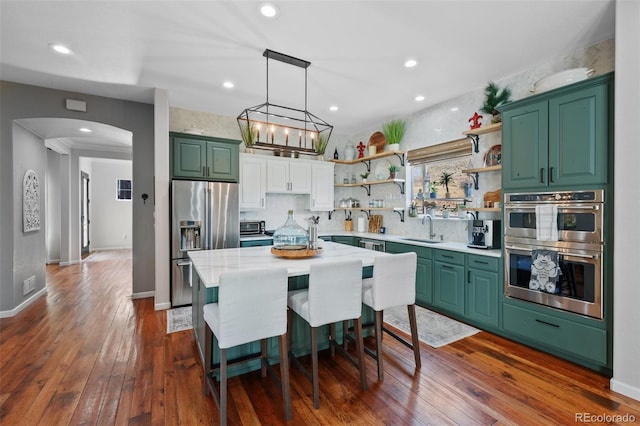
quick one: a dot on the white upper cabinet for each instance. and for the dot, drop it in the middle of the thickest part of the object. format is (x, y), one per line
(253, 178)
(288, 176)
(322, 186)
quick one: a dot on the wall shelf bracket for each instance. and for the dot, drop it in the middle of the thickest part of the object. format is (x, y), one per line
(475, 176)
(401, 214)
(475, 139)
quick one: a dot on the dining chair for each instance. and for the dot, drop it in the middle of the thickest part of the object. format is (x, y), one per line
(393, 284)
(252, 306)
(334, 295)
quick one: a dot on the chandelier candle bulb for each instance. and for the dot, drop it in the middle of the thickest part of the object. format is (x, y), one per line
(286, 137)
(273, 132)
(258, 133)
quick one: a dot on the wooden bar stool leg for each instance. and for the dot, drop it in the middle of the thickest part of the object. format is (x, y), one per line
(314, 367)
(377, 322)
(332, 339)
(263, 357)
(357, 328)
(414, 334)
(223, 387)
(289, 328)
(284, 375)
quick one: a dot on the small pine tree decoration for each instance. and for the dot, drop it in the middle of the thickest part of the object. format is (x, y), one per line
(495, 97)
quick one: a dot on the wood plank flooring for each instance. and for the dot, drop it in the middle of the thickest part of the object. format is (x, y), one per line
(86, 354)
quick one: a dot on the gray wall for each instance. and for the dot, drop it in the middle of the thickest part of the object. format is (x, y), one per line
(24, 101)
(28, 248)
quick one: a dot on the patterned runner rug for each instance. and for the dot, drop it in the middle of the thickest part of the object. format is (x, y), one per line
(179, 319)
(434, 329)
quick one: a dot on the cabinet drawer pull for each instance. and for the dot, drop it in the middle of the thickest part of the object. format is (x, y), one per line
(542, 175)
(447, 267)
(447, 256)
(547, 323)
(550, 174)
(480, 262)
(469, 277)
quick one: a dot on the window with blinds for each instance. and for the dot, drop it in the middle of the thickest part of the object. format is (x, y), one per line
(426, 166)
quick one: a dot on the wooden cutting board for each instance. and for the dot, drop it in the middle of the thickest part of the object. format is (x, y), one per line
(375, 223)
(378, 140)
(495, 196)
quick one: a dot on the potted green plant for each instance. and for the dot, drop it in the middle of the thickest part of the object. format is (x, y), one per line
(248, 132)
(394, 132)
(321, 145)
(494, 97)
(445, 180)
(433, 190)
(364, 176)
(393, 170)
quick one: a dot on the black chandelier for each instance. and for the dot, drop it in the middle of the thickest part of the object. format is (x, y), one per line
(284, 130)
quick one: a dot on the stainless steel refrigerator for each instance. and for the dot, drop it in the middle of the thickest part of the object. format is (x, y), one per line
(204, 216)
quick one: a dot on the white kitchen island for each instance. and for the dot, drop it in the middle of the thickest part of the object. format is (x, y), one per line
(209, 264)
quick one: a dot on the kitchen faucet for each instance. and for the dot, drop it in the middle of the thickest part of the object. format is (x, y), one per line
(432, 234)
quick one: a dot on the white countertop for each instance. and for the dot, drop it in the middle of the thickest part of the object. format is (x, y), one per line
(209, 264)
(403, 239)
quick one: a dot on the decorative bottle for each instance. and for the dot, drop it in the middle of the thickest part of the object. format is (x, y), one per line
(290, 236)
(335, 154)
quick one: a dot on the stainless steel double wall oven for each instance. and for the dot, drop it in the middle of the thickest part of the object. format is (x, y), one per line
(580, 245)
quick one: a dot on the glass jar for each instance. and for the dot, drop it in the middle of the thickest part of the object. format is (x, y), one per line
(290, 236)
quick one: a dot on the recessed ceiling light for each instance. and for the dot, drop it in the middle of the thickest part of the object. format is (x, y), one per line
(410, 63)
(61, 48)
(268, 10)
(454, 109)
(419, 98)
(85, 130)
(333, 108)
(228, 84)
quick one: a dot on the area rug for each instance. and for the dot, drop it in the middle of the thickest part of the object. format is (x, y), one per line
(179, 319)
(434, 329)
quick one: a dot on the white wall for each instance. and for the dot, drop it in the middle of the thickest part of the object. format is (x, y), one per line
(52, 208)
(626, 315)
(111, 219)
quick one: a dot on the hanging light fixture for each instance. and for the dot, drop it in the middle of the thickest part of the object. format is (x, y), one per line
(284, 130)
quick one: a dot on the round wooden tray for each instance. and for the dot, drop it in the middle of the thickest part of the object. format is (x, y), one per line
(295, 254)
(378, 140)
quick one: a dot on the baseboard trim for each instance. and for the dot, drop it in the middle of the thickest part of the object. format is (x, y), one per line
(162, 306)
(143, 295)
(15, 311)
(625, 389)
(71, 262)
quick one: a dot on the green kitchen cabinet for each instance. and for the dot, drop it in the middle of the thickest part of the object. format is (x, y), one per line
(351, 241)
(483, 287)
(256, 243)
(424, 270)
(449, 281)
(579, 339)
(207, 158)
(558, 138)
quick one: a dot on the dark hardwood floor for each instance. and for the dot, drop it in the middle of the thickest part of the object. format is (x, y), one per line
(87, 354)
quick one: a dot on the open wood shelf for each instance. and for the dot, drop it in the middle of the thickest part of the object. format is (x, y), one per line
(485, 129)
(370, 157)
(483, 169)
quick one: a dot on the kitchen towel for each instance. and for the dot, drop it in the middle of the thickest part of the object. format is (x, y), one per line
(544, 271)
(547, 223)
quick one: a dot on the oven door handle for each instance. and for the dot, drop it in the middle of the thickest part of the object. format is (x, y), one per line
(584, 256)
(560, 207)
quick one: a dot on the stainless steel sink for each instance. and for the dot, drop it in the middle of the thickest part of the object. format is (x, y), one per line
(423, 240)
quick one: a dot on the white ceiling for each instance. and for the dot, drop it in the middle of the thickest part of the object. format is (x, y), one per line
(123, 49)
